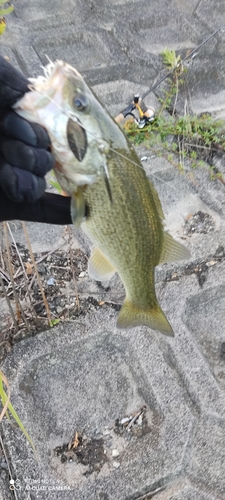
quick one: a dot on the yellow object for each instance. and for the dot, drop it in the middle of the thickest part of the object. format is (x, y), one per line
(2, 25)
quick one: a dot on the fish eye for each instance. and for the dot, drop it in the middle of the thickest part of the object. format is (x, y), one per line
(80, 102)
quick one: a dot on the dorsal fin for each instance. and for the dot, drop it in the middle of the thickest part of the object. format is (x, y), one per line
(172, 250)
(157, 201)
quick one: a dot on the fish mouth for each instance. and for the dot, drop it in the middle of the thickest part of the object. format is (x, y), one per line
(77, 139)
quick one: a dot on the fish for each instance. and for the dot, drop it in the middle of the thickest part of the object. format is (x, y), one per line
(112, 199)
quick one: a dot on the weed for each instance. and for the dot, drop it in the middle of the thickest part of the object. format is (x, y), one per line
(180, 138)
(7, 406)
(4, 12)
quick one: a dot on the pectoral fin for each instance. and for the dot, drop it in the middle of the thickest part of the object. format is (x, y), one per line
(99, 268)
(172, 250)
(77, 208)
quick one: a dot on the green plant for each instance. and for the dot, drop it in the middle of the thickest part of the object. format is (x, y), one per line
(4, 12)
(178, 138)
(170, 59)
(5, 400)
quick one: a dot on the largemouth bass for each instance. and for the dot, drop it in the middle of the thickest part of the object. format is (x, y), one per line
(112, 198)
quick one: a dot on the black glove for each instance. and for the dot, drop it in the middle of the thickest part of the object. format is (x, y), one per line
(24, 159)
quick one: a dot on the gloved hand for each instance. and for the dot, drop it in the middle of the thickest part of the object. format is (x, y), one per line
(24, 158)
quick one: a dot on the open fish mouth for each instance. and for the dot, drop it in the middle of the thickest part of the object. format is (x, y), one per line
(61, 102)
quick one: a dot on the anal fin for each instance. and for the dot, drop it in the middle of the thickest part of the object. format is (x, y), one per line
(99, 268)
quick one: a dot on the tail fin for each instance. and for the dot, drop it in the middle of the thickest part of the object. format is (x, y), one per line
(154, 317)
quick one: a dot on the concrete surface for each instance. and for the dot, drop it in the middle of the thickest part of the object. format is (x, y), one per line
(85, 376)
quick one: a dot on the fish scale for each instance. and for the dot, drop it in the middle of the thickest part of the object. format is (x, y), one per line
(111, 196)
(136, 256)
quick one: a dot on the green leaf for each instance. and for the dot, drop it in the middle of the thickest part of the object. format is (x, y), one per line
(56, 185)
(54, 322)
(4, 398)
(4, 12)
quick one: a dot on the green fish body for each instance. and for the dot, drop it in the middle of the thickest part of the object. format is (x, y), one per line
(129, 238)
(116, 204)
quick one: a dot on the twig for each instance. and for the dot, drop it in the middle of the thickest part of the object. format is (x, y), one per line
(133, 420)
(221, 179)
(18, 274)
(37, 273)
(151, 494)
(10, 271)
(72, 269)
(176, 96)
(5, 274)
(16, 247)
(19, 308)
(4, 379)
(23, 269)
(9, 304)
(208, 148)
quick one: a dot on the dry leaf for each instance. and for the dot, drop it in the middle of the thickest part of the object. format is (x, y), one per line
(76, 440)
(29, 268)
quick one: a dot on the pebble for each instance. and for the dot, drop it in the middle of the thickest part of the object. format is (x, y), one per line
(106, 432)
(116, 464)
(59, 309)
(115, 453)
(124, 420)
(4, 464)
(139, 420)
(83, 274)
(51, 281)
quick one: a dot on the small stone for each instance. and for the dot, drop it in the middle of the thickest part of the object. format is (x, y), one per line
(60, 309)
(106, 432)
(116, 464)
(124, 420)
(115, 453)
(41, 268)
(211, 263)
(139, 420)
(51, 281)
(4, 464)
(83, 274)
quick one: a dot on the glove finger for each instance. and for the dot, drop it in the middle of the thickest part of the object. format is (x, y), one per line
(20, 185)
(16, 127)
(34, 160)
(13, 84)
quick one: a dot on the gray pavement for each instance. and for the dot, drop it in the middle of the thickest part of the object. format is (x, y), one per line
(85, 376)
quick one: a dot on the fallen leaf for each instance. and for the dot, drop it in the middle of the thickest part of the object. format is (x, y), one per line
(29, 268)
